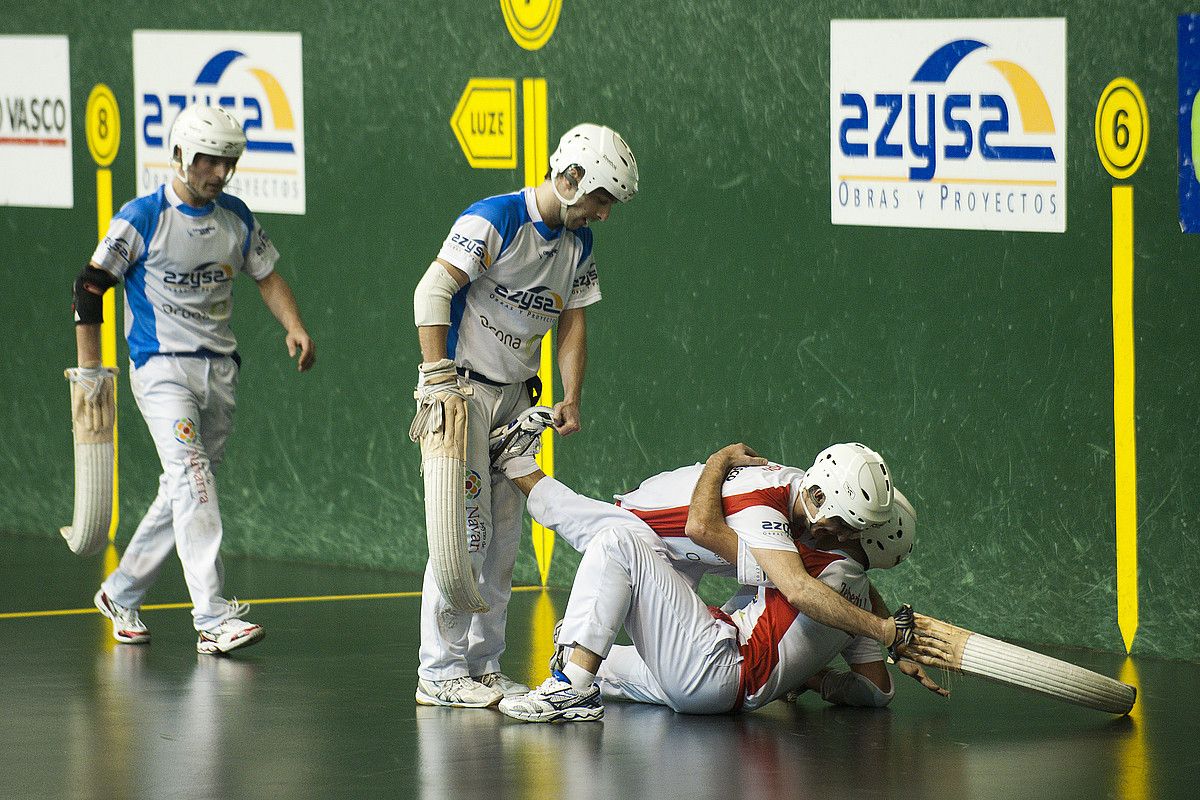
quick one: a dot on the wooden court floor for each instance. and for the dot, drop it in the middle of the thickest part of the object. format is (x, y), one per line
(323, 708)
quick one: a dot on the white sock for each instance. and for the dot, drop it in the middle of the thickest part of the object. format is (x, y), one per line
(579, 677)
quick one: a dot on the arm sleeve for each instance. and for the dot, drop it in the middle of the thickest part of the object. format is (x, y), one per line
(433, 296)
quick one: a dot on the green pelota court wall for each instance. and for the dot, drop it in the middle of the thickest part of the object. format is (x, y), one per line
(979, 363)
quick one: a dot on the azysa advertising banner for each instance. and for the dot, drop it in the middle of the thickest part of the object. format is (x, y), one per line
(258, 77)
(948, 123)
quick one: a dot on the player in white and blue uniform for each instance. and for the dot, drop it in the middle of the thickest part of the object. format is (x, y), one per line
(177, 252)
(512, 267)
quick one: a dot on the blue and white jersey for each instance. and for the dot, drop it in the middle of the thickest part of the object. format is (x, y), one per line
(178, 265)
(523, 275)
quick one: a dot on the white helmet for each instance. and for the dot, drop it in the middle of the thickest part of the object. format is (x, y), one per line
(890, 543)
(606, 161)
(205, 129)
(855, 484)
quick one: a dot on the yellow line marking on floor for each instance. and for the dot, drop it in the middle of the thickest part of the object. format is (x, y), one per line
(67, 612)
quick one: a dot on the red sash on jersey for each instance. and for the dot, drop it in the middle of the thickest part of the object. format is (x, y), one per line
(760, 654)
(671, 521)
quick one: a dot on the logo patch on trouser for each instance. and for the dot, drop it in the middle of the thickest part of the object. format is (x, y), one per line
(185, 431)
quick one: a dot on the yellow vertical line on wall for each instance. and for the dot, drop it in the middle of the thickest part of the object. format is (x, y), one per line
(533, 96)
(108, 331)
(1123, 413)
(543, 538)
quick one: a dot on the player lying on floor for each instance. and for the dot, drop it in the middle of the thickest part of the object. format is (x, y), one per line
(685, 655)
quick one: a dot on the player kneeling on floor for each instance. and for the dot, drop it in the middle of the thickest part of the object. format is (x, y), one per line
(700, 660)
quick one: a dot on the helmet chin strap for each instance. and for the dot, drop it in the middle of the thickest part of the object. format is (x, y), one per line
(564, 203)
(181, 173)
(805, 501)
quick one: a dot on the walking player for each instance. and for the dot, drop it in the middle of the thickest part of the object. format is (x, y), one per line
(177, 251)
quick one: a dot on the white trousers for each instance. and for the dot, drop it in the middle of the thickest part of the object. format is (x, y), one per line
(455, 644)
(188, 405)
(681, 656)
(641, 582)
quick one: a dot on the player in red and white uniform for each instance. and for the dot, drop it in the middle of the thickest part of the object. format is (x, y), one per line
(637, 573)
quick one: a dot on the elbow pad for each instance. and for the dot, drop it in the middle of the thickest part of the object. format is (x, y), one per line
(852, 689)
(431, 300)
(88, 295)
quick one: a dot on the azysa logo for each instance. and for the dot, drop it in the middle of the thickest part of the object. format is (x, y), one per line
(473, 247)
(936, 119)
(231, 67)
(203, 276)
(539, 299)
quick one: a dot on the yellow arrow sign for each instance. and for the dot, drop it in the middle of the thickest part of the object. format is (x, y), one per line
(485, 123)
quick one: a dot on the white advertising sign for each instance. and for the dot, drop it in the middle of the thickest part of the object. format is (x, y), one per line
(948, 123)
(35, 122)
(258, 77)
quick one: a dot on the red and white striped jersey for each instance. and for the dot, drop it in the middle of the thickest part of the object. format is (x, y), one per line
(781, 647)
(757, 503)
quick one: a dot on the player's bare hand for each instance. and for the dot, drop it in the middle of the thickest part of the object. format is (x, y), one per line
(566, 417)
(913, 670)
(298, 341)
(738, 455)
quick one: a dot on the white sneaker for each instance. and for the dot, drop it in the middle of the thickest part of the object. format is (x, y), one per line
(127, 625)
(231, 634)
(457, 693)
(556, 699)
(519, 439)
(502, 683)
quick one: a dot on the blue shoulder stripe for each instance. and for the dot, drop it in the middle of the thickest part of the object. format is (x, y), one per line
(235, 204)
(506, 213)
(585, 239)
(143, 214)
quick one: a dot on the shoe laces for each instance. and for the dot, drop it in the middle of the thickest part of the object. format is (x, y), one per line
(236, 609)
(456, 684)
(552, 684)
(233, 614)
(128, 616)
